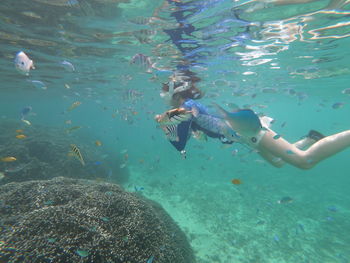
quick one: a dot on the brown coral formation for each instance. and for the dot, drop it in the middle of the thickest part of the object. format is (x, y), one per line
(71, 220)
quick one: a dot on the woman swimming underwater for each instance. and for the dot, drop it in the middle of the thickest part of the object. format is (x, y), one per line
(242, 126)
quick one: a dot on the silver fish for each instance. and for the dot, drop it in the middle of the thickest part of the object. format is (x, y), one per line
(142, 61)
(67, 66)
(346, 91)
(132, 95)
(337, 105)
(38, 84)
(269, 90)
(144, 35)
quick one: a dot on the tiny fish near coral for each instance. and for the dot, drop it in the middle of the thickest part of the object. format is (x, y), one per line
(236, 181)
(150, 260)
(21, 136)
(82, 253)
(8, 159)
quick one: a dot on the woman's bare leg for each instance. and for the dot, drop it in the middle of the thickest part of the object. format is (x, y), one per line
(319, 151)
(277, 161)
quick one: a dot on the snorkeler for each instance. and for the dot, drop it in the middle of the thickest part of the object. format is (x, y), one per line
(188, 116)
(242, 126)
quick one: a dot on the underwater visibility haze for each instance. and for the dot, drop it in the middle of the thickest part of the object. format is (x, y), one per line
(88, 175)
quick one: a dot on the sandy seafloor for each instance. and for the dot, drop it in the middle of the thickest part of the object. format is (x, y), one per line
(245, 223)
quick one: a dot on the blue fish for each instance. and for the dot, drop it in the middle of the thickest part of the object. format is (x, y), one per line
(214, 124)
(298, 228)
(332, 208)
(301, 226)
(337, 105)
(276, 238)
(150, 260)
(25, 111)
(243, 121)
(72, 2)
(329, 218)
(138, 188)
(276, 137)
(110, 173)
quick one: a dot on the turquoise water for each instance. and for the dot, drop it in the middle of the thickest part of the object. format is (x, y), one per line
(288, 61)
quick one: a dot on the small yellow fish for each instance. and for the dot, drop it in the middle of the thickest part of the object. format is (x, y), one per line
(21, 136)
(19, 131)
(75, 150)
(66, 86)
(74, 105)
(236, 181)
(98, 143)
(8, 159)
(26, 122)
(73, 129)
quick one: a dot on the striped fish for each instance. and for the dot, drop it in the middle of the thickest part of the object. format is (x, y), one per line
(140, 20)
(142, 61)
(171, 132)
(77, 154)
(174, 116)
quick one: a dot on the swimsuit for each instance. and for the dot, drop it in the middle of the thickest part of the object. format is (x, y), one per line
(211, 125)
(254, 141)
(214, 127)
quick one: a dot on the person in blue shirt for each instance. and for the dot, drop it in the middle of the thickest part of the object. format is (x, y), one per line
(178, 126)
(240, 126)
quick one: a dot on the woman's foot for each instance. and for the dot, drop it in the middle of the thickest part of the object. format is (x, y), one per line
(315, 135)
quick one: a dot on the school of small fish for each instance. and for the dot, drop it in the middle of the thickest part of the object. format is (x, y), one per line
(133, 114)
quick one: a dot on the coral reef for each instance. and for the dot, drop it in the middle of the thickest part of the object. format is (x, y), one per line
(44, 154)
(75, 220)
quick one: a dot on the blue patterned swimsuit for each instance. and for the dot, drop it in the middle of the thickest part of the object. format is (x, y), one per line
(211, 125)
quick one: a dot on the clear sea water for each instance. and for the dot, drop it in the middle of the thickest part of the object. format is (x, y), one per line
(289, 61)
